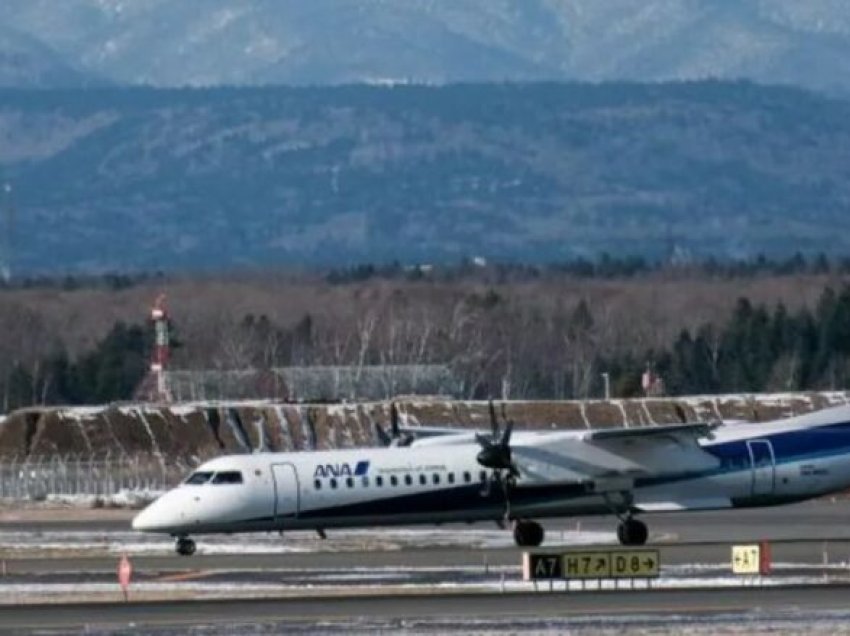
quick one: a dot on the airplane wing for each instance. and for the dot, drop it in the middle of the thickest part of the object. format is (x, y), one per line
(612, 458)
(432, 431)
(437, 436)
(423, 436)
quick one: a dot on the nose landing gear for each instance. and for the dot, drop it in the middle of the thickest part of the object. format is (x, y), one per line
(185, 546)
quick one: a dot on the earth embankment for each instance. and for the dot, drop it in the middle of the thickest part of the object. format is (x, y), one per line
(196, 431)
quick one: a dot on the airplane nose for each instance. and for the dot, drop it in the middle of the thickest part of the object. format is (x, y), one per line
(144, 520)
(158, 516)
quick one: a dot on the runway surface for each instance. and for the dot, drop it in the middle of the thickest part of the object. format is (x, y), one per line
(801, 532)
(453, 577)
(819, 519)
(696, 608)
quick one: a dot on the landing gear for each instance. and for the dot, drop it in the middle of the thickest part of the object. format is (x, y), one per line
(528, 534)
(632, 532)
(185, 546)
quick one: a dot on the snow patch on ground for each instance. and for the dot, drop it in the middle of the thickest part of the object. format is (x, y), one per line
(124, 498)
(136, 543)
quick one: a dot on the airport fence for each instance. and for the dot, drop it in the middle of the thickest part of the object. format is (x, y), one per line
(91, 476)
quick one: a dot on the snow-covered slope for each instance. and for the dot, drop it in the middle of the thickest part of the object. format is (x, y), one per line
(204, 42)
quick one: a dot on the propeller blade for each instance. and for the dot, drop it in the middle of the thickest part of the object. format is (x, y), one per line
(385, 439)
(494, 424)
(506, 434)
(394, 430)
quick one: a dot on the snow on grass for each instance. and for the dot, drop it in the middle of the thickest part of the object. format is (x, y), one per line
(124, 498)
(706, 568)
(271, 543)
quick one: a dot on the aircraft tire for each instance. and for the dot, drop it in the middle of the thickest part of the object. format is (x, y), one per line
(528, 534)
(185, 546)
(632, 532)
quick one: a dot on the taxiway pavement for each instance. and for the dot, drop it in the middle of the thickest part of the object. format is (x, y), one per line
(804, 536)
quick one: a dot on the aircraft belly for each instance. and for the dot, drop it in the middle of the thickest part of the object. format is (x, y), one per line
(461, 504)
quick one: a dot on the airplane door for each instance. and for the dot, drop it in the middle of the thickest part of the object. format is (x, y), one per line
(286, 497)
(763, 467)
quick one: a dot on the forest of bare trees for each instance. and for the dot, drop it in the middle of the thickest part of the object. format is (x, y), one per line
(503, 334)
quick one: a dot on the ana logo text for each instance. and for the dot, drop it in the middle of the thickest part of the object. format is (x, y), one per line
(341, 470)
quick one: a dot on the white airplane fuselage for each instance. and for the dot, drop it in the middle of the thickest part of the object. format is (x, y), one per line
(438, 480)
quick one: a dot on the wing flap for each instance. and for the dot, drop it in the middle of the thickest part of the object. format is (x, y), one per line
(696, 430)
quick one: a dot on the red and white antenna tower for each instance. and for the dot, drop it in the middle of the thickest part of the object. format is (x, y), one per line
(162, 347)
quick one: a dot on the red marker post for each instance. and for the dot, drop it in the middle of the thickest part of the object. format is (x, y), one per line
(764, 558)
(125, 572)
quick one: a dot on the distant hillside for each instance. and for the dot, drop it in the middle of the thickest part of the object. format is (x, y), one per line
(140, 178)
(27, 63)
(256, 42)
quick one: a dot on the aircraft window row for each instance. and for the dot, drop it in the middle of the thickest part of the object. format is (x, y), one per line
(334, 483)
(224, 477)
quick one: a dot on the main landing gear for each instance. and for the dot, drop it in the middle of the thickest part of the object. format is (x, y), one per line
(632, 532)
(528, 534)
(185, 546)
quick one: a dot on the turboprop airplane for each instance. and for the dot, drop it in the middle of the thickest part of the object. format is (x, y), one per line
(450, 475)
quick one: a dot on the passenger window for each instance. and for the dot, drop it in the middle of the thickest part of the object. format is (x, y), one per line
(349, 481)
(379, 481)
(198, 478)
(483, 475)
(365, 481)
(408, 480)
(229, 477)
(393, 480)
(466, 476)
(333, 482)
(423, 479)
(318, 484)
(451, 478)
(436, 478)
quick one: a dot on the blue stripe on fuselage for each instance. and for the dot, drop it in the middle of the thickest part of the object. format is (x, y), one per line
(829, 440)
(789, 446)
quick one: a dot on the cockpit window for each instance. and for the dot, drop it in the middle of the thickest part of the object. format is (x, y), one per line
(198, 478)
(229, 477)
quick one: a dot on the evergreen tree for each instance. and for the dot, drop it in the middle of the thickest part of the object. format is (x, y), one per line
(114, 369)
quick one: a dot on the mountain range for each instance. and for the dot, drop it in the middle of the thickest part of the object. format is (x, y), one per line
(120, 178)
(167, 43)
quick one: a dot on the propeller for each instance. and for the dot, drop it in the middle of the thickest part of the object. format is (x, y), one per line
(496, 455)
(395, 437)
(496, 450)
